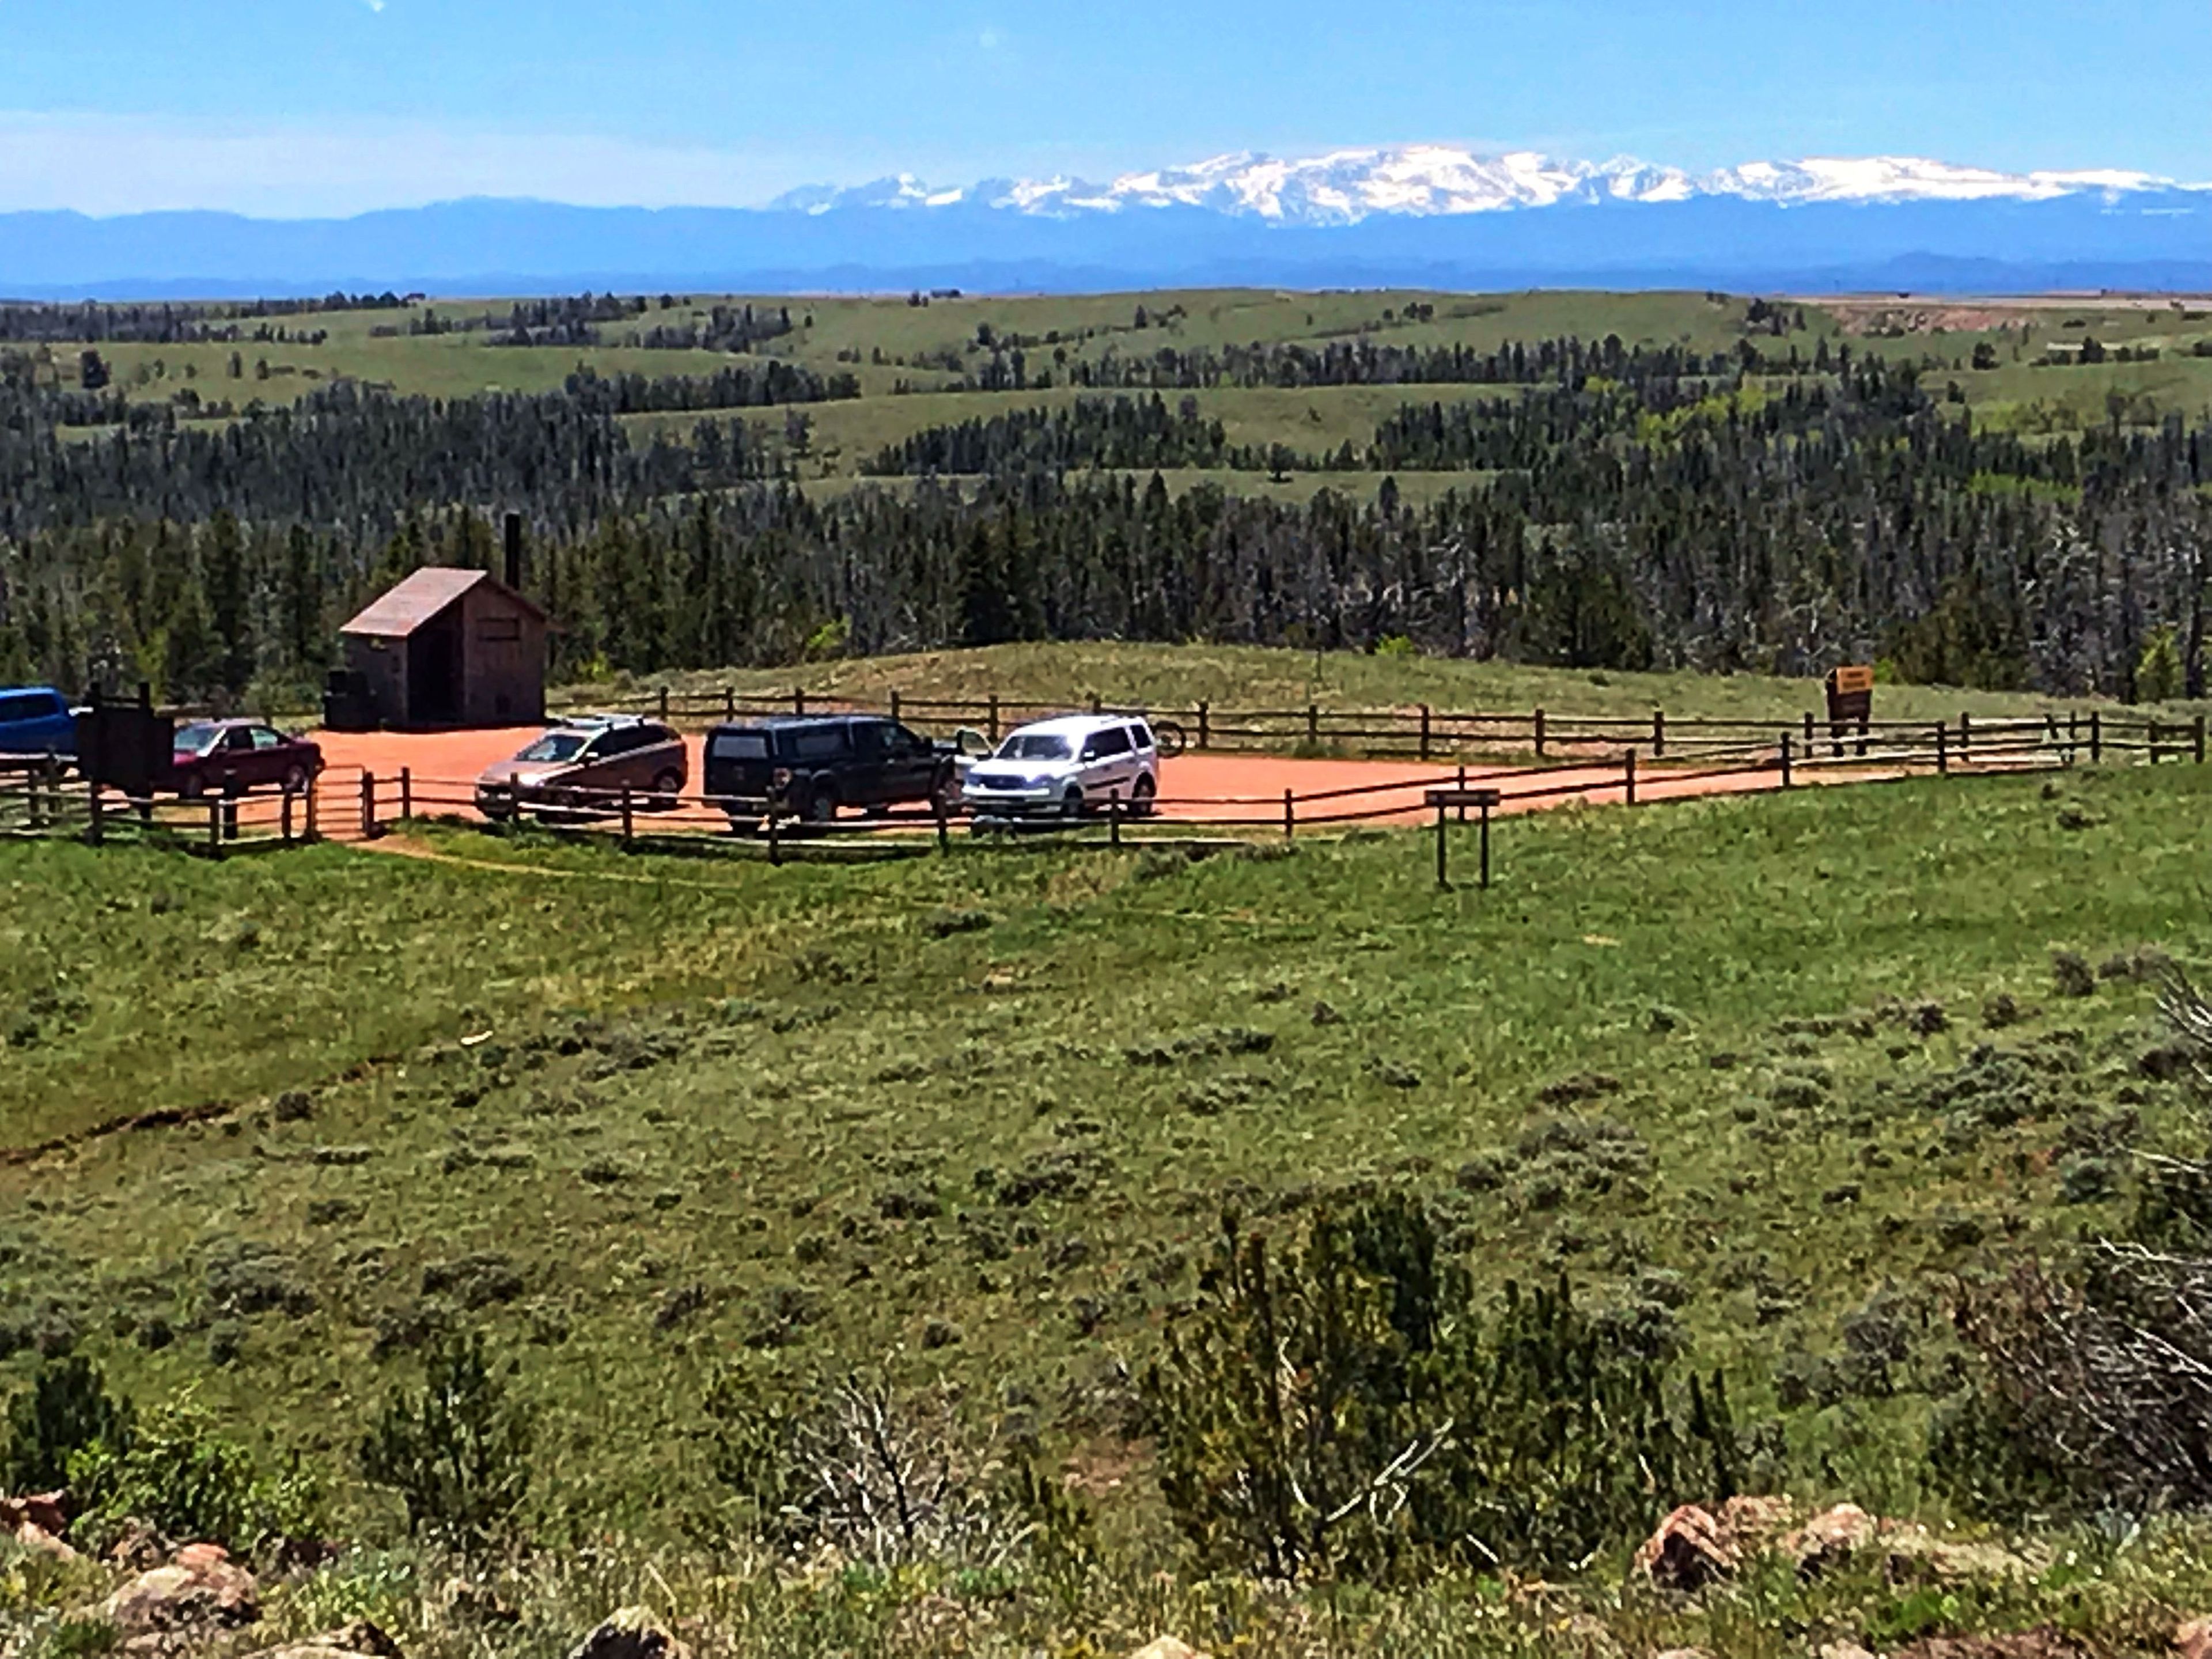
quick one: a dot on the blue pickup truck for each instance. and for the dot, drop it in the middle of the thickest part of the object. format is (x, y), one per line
(36, 720)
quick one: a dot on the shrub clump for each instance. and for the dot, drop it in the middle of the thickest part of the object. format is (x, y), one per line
(947, 924)
(2070, 974)
(1338, 1406)
(166, 1467)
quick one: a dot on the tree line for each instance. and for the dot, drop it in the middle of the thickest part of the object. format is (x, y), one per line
(1119, 433)
(754, 385)
(1681, 511)
(93, 322)
(1297, 365)
(582, 320)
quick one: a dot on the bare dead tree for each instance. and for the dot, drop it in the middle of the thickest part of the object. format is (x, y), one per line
(2107, 1371)
(888, 1477)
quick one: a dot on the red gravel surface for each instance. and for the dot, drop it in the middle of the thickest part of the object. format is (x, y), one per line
(1220, 789)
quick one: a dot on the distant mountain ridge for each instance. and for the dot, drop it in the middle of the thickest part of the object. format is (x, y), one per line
(1415, 216)
(1347, 186)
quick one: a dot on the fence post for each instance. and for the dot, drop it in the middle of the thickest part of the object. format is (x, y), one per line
(1205, 726)
(774, 842)
(729, 703)
(896, 712)
(1658, 734)
(287, 817)
(1313, 725)
(312, 785)
(1785, 760)
(1965, 736)
(1628, 777)
(2150, 737)
(628, 824)
(1289, 817)
(1485, 844)
(1425, 731)
(1809, 731)
(1943, 750)
(368, 806)
(2073, 735)
(1540, 734)
(2196, 739)
(664, 704)
(2096, 736)
(215, 824)
(995, 720)
(1444, 880)
(944, 822)
(1114, 820)
(406, 792)
(95, 829)
(799, 701)
(1459, 784)
(1097, 704)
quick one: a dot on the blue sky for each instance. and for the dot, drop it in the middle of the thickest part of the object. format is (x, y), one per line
(293, 107)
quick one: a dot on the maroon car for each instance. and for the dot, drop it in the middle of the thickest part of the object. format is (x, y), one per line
(228, 757)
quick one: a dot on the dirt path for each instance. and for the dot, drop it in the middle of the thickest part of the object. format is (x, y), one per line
(1224, 790)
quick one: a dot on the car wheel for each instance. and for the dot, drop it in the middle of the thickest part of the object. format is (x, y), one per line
(295, 780)
(821, 804)
(1140, 796)
(668, 787)
(1071, 803)
(191, 787)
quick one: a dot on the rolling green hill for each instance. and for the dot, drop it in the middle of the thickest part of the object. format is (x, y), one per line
(905, 356)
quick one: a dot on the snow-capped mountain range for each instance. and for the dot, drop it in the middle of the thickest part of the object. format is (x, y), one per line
(1435, 181)
(1424, 216)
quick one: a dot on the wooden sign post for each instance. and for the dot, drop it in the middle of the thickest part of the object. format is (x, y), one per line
(1850, 703)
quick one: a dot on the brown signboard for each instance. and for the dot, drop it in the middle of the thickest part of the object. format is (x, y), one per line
(125, 746)
(1850, 702)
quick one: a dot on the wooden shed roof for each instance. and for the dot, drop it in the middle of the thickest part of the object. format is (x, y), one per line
(424, 596)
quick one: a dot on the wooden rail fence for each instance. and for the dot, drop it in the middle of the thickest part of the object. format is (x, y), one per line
(1423, 732)
(1662, 760)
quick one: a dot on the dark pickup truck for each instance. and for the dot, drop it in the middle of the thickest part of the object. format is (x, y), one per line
(810, 767)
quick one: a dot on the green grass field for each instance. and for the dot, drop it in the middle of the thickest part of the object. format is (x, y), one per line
(978, 1114)
(1177, 677)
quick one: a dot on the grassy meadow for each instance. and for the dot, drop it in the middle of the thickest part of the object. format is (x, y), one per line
(1175, 679)
(908, 358)
(975, 1116)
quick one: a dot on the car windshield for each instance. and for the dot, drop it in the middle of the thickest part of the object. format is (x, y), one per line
(198, 738)
(555, 746)
(1035, 746)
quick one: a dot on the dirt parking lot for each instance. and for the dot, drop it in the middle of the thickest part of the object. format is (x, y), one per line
(1220, 789)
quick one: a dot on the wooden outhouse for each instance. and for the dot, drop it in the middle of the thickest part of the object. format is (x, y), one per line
(450, 647)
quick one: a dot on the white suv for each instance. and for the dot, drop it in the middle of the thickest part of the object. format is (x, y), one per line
(1076, 763)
